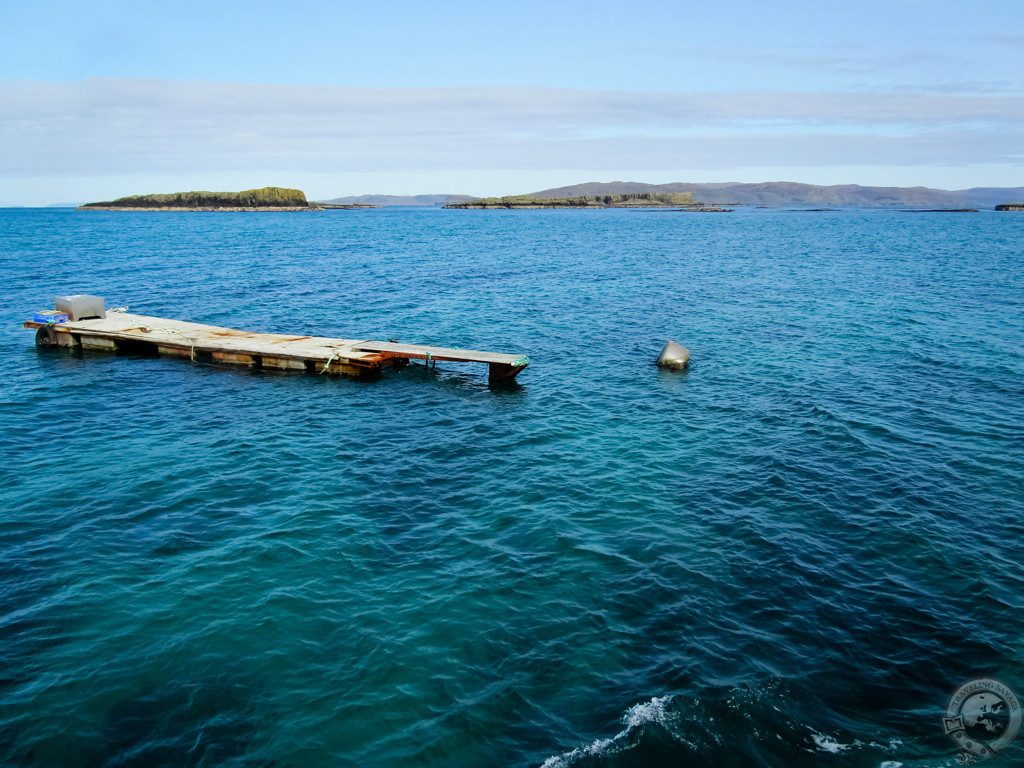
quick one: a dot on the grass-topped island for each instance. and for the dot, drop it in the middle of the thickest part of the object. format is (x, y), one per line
(682, 201)
(264, 199)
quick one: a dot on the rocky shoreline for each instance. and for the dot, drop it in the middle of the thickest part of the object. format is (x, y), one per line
(703, 209)
(1010, 207)
(538, 207)
(528, 202)
(228, 209)
(205, 209)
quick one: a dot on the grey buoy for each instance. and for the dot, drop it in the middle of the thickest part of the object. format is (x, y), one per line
(674, 356)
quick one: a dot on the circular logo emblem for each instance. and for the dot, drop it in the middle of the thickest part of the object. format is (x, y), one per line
(983, 717)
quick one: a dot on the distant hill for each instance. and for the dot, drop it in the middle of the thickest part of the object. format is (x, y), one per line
(787, 193)
(386, 201)
(266, 198)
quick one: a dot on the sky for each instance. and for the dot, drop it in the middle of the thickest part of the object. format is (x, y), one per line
(100, 100)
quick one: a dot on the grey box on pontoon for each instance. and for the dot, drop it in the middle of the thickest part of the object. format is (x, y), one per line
(81, 306)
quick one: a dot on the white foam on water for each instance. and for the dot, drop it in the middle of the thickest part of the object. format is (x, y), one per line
(596, 747)
(655, 711)
(652, 711)
(828, 744)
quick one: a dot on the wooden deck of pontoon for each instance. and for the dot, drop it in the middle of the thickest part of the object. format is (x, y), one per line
(123, 332)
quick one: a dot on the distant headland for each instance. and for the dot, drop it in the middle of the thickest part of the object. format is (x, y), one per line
(264, 199)
(1010, 207)
(679, 200)
(783, 194)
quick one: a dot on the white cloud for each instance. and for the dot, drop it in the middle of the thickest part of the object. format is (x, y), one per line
(148, 127)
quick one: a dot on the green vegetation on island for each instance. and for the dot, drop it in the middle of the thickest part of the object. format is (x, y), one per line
(627, 200)
(267, 198)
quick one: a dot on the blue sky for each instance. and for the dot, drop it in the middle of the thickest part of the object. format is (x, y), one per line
(98, 100)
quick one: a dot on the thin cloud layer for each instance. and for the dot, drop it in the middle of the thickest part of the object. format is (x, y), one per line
(145, 126)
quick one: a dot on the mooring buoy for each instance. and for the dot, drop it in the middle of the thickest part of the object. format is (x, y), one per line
(674, 356)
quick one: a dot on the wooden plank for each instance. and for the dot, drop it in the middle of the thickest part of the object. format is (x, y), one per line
(178, 338)
(177, 333)
(166, 351)
(98, 342)
(233, 358)
(421, 352)
(283, 364)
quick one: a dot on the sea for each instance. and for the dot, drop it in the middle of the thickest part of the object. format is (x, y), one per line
(792, 554)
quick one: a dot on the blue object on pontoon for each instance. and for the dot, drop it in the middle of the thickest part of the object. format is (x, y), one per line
(50, 317)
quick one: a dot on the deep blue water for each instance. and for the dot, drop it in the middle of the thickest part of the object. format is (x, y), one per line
(790, 555)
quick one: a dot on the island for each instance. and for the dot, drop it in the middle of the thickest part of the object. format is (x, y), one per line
(682, 201)
(780, 194)
(1010, 207)
(264, 199)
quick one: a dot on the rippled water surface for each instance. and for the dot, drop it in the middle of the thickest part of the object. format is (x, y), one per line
(791, 555)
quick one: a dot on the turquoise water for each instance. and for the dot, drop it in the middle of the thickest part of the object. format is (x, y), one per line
(789, 556)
